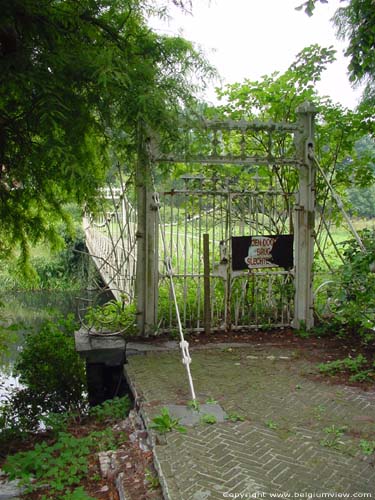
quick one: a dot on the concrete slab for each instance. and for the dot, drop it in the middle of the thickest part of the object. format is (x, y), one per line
(135, 347)
(189, 417)
(100, 349)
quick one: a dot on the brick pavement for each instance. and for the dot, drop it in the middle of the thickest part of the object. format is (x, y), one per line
(299, 436)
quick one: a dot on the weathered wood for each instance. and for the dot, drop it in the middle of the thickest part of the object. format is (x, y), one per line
(147, 243)
(304, 220)
(207, 285)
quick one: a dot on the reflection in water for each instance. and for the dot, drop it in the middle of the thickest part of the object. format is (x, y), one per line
(27, 310)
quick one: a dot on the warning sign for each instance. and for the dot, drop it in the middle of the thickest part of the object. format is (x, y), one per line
(252, 252)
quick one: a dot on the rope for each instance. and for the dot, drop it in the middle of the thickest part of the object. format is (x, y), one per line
(184, 345)
(336, 197)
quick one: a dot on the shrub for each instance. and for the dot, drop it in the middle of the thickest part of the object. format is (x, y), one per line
(354, 301)
(112, 409)
(49, 365)
(52, 374)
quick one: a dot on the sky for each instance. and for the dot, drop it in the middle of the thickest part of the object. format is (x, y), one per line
(251, 38)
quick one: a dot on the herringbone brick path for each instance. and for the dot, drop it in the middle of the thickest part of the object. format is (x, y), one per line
(299, 436)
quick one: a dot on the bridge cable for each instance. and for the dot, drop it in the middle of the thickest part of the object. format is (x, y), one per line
(184, 345)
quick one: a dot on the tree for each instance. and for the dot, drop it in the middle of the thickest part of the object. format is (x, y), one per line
(355, 22)
(338, 130)
(76, 77)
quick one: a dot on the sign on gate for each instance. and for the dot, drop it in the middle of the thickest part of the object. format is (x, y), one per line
(253, 252)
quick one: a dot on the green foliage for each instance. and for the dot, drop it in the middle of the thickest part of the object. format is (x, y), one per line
(77, 494)
(76, 79)
(63, 268)
(362, 201)
(7, 337)
(334, 434)
(349, 364)
(211, 401)
(152, 480)
(50, 367)
(164, 423)
(235, 417)
(363, 376)
(271, 424)
(208, 419)
(194, 405)
(355, 23)
(57, 422)
(338, 130)
(113, 316)
(63, 464)
(356, 366)
(112, 409)
(185, 295)
(53, 376)
(354, 300)
(302, 331)
(309, 6)
(367, 447)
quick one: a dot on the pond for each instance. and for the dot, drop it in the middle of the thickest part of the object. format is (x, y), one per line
(27, 310)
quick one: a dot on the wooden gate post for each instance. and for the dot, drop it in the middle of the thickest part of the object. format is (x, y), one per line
(146, 284)
(304, 219)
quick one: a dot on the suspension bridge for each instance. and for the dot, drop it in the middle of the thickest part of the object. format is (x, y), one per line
(229, 247)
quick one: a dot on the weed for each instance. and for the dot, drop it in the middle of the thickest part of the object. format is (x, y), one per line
(362, 376)
(194, 405)
(234, 417)
(63, 464)
(337, 431)
(77, 494)
(302, 331)
(103, 440)
(152, 479)
(57, 422)
(209, 419)
(351, 365)
(112, 409)
(164, 423)
(367, 447)
(318, 411)
(334, 434)
(174, 334)
(271, 424)
(211, 401)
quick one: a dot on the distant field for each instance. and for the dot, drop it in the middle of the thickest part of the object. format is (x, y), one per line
(339, 235)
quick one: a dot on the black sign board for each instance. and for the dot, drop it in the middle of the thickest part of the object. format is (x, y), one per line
(253, 252)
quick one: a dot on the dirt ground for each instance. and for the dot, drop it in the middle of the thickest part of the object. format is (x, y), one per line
(316, 348)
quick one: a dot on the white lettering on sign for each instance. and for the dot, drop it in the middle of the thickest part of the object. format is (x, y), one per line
(259, 253)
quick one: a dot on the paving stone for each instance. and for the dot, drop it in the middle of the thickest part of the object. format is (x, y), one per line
(250, 457)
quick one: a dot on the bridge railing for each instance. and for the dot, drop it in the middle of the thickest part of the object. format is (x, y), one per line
(125, 244)
(111, 242)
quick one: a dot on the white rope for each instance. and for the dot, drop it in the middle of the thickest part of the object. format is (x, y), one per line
(184, 345)
(337, 199)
